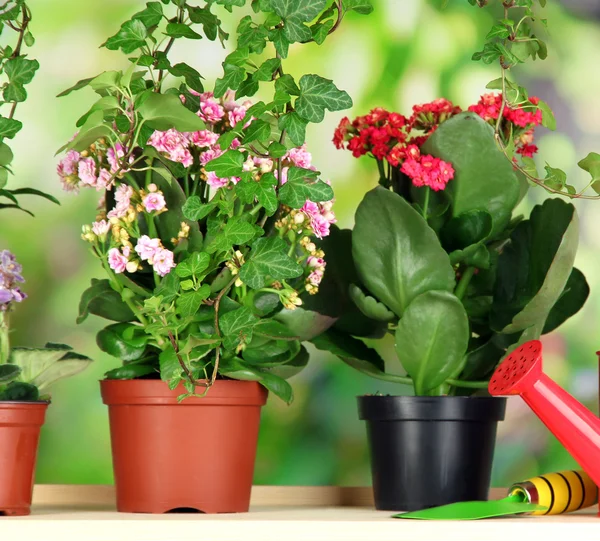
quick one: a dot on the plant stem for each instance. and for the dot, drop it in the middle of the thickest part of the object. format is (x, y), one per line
(463, 283)
(4, 339)
(217, 303)
(426, 202)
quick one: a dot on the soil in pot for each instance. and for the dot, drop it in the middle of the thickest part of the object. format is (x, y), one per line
(20, 424)
(430, 451)
(194, 455)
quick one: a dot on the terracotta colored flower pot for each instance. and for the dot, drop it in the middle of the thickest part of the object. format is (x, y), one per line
(197, 454)
(20, 424)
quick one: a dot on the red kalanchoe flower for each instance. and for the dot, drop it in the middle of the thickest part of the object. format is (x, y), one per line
(339, 136)
(428, 115)
(527, 151)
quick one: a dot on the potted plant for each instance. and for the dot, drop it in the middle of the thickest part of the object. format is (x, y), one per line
(206, 227)
(439, 260)
(25, 373)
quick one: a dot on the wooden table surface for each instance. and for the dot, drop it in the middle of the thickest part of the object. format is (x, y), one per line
(87, 513)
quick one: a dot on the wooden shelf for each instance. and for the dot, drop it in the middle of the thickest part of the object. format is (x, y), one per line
(87, 513)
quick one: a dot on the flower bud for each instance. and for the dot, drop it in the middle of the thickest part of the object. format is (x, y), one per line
(132, 266)
(152, 187)
(299, 218)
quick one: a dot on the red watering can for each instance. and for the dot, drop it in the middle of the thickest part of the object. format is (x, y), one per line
(577, 428)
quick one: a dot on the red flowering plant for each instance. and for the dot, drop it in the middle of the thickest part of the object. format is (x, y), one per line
(436, 256)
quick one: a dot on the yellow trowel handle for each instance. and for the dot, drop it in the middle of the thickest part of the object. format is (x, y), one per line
(560, 492)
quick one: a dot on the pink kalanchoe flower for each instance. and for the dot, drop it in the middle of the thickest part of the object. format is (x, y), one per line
(174, 144)
(236, 114)
(154, 202)
(300, 157)
(319, 224)
(114, 155)
(211, 110)
(101, 228)
(284, 174)
(265, 165)
(210, 154)
(315, 262)
(315, 277)
(147, 247)
(87, 171)
(215, 182)
(204, 138)
(116, 260)
(163, 261)
(235, 144)
(68, 165)
(123, 198)
(104, 180)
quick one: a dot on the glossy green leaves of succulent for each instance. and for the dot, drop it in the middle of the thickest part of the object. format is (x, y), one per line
(535, 267)
(484, 179)
(397, 255)
(431, 339)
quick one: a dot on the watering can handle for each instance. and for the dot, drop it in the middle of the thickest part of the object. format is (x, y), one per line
(561, 492)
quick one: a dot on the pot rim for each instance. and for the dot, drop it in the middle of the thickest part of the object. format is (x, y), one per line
(26, 402)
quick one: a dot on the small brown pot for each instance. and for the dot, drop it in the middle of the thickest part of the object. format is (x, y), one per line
(197, 454)
(20, 424)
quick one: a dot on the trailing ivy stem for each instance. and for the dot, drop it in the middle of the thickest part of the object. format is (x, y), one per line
(463, 283)
(22, 30)
(426, 202)
(184, 367)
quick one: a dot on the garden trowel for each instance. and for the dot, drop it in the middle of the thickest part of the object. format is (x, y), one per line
(549, 494)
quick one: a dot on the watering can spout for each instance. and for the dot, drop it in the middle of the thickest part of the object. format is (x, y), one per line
(576, 427)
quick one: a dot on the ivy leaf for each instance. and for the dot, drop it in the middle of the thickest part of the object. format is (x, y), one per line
(14, 92)
(277, 150)
(297, 190)
(210, 22)
(228, 4)
(131, 36)
(295, 127)
(264, 190)
(227, 165)
(191, 76)
(556, 178)
(282, 44)
(287, 84)
(320, 31)
(237, 326)
(363, 7)
(318, 94)
(498, 31)
(295, 13)
(150, 16)
(165, 111)
(21, 70)
(248, 88)
(266, 70)
(194, 265)
(189, 303)
(259, 130)
(233, 76)
(193, 209)
(268, 258)
(548, 120)
(591, 164)
(238, 57)
(180, 30)
(236, 232)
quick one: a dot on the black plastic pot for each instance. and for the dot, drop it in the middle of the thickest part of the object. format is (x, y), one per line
(430, 451)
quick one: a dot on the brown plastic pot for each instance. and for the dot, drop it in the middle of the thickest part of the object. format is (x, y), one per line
(197, 454)
(20, 424)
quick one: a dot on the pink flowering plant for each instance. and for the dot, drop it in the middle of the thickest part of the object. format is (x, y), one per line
(210, 205)
(438, 256)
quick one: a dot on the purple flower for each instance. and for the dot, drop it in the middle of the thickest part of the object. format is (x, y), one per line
(10, 276)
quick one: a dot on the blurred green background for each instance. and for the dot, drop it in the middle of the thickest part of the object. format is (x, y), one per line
(406, 52)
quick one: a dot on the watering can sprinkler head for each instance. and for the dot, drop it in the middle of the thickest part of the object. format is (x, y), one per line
(577, 428)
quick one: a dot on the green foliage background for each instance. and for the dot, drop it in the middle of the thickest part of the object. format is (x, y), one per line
(406, 52)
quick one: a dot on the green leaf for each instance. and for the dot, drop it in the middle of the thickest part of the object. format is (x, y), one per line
(432, 338)
(295, 126)
(237, 326)
(195, 210)
(293, 366)
(498, 31)
(364, 7)
(106, 80)
(320, 31)
(77, 86)
(228, 164)
(239, 370)
(266, 70)
(370, 306)
(467, 142)
(534, 268)
(131, 371)
(287, 84)
(9, 372)
(14, 92)
(6, 155)
(295, 13)
(189, 303)
(249, 189)
(20, 70)
(397, 255)
(277, 150)
(317, 95)
(131, 36)
(150, 16)
(352, 351)
(306, 324)
(9, 127)
(268, 258)
(114, 341)
(165, 111)
(571, 300)
(19, 391)
(228, 4)
(194, 265)
(101, 300)
(548, 120)
(191, 76)
(233, 76)
(270, 328)
(280, 41)
(468, 228)
(591, 164)
(180, 30)
(236, 232)
(168, 288)
(299, 188)
(259, 130)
